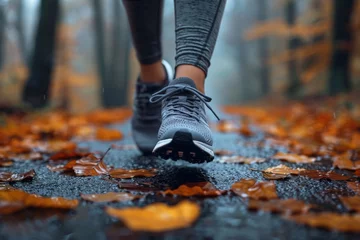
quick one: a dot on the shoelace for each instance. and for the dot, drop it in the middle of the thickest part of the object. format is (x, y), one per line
(177, 105)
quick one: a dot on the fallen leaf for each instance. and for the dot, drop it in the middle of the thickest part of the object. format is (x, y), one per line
(104, 134)
(137, 186)
(28, 157)
(16, 177)
(131, 173)
(223, 152)
(227, 126)
(158, 217)
(316, 174)
(109, 197)
(195, 189)
(250, 188)
(357, 172)
(15, 199)
(62, 168)
(240, 159)
(344, 161)
(286, 207)
(90, 166)
(68, 155)
(294, 158)
(351, 203)
(355, 186)
(4, 162)
(280, 172)
(330, 221)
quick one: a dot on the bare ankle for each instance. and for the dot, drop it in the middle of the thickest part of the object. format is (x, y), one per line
(152, 73)
(195, 73)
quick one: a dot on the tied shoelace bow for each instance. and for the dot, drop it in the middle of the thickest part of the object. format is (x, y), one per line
(177, 104)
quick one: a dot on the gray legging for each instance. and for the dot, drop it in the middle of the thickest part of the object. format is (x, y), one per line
(197, 24)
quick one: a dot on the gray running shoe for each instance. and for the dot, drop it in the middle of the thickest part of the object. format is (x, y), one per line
(184, 132)
(146, 118)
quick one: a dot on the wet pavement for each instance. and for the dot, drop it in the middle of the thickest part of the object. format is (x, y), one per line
(223, 217)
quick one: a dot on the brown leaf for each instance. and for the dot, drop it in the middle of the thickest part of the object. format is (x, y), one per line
(280, 172)
(158, 217)
(15, 177)
(357, 172)
(104, 134)
(90, 166)
(131, 173)
(16, 199)
(240, 159)
(328, 220)
(223, 152)
(109, 197)
(351, 203)
(28, 157)
(355, 186)
(195, 189)
(344, 161)
(250, 188)
(68, 155)
(316, 174)
(227, 126)
(137, 186)
(286, 207)
(4, 162)
(62, 168)
(294, 158)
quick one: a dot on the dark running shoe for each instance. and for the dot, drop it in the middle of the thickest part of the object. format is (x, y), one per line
(146, 118)
(184, 132)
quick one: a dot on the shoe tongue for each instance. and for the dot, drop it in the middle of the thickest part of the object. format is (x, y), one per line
(183, 81)
(149, 87)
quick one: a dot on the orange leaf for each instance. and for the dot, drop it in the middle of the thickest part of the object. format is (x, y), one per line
(223, 152)
(280, 171)
(109, 197)
(104, 134)
(331, 221)
(67, 155)
(351, 203)
(256, 190)
(195, 189)
(15, 177)
(355, 186)
(16, 199)
(287, 206)
(90, 166)
(240, 159)
(158, 217)
(130, 173)
(316, 174)
(4, 162)
(294, 158)
(344, 162)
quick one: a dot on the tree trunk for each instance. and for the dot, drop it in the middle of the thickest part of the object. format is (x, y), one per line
(340, 79)
(36, 90)
(263, 51)
(98, 24)
(2, 35)
(20, 30)
(290, 15)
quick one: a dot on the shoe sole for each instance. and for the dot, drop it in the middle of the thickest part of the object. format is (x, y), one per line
(182, 146)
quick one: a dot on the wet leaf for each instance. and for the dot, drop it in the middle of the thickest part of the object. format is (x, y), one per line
(28, 157)
(90, 166)
(68, 155)
(240, 159)
(250, 188)
(357, 172)
(351, 203)
(4, 162)
(133, 186)
(16, 177)
(223, 152)
(158, 217)
(131, 173)
(195, 189)
(280, 172)
(294, 158)
(330, 221)
(62, 168)
(344, 161)
(316, 174)
(227, 126)
(355, 186)
(104, 134)
(12, 199)
(109, 197)
(286, 207)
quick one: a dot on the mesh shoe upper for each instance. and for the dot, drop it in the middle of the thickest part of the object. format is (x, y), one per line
(183, 108)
